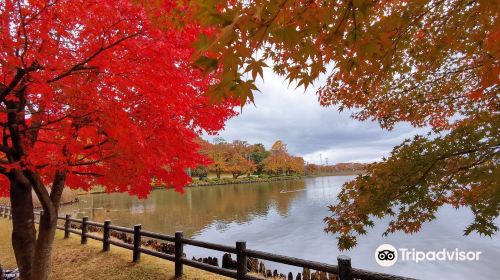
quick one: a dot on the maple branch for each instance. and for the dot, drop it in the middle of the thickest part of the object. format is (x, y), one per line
(88, 155)
(38, 125)
(354, 20)
(40, 191)
(96, 145)
(87, 174)
(77, 163)
(81, 65)
(448, 156)
(271, 19)
(25, 34)
(17, 78)
(470, 151)
(268, 23)
(345, 16)
(5, 149)
(403, 31)
(47, 142)
(438, 78)
(41, 11)
(20, 72)
(13, 124)
(5, 137)
(40, 166)
(57, 188)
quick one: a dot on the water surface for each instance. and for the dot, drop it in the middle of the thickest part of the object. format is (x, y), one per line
(287, 218)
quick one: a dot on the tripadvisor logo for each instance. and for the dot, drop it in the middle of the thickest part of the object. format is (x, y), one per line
(387, 255)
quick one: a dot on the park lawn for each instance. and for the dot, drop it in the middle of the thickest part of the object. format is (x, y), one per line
(71, 260)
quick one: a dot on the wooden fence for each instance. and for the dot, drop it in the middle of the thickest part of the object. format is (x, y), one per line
(343, 269)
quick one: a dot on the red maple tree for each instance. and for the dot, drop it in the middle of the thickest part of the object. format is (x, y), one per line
(94, 93)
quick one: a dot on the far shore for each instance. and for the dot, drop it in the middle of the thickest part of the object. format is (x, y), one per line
(241, 180)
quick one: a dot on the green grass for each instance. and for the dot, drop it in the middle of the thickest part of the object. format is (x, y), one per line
(71, 260)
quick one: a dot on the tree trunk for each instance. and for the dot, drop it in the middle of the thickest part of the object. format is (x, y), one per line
(217, 172)
(48, 223)
(33, 255)
(23, 226)
(43, 248)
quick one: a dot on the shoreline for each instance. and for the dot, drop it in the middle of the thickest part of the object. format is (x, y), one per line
(245, 180)
(249, 180)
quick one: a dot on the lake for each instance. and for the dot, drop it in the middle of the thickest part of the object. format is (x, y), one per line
(287, 218)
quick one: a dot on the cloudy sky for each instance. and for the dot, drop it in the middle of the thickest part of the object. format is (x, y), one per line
(309, 130)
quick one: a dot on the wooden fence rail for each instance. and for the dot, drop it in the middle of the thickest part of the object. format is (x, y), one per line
(343, 268)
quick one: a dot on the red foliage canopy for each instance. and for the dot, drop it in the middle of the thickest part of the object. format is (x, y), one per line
(102, 93)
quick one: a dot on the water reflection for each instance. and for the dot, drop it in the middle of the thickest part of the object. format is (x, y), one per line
(286, 218)
(197, 208)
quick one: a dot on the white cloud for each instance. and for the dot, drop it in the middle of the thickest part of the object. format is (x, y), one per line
(295, 116)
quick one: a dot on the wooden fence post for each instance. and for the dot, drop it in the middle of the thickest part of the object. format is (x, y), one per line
(179, 251)
(136, 256)
(85, 229)
(105, 236)
(344, 266)
(67, 226)
(241, 260)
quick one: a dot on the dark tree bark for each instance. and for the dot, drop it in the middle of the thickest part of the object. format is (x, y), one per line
(43, 249)
(33, 255)
(23, 226)
(47, 227)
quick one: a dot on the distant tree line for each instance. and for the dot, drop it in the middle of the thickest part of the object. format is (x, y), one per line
(240, 158)
(349, 167)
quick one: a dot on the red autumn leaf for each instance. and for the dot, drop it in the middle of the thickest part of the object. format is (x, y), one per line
(103, 94)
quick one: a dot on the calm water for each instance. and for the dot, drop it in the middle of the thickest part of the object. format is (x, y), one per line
(287, 218)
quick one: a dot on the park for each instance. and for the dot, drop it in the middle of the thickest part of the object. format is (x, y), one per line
(355, 129)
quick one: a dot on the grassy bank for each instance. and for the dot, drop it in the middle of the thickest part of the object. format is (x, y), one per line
(71, 260)
(262, 179)
(241, 180)
(214, 182)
